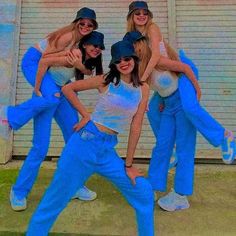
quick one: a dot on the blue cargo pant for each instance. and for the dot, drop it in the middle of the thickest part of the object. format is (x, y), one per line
(43, 110)
(175, 128)
(210, 128)
(87, 152)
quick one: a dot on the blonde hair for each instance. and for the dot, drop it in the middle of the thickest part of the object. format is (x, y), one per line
(131, 24)
(54, 36)
(143, 52)
(142, 49)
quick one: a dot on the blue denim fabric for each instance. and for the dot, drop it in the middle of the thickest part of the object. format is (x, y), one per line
(66, 117)
(43, 110)
(174, 128)
(153, 113)
(199, 117)
(19, 115)
(210, 128)
(87, 152)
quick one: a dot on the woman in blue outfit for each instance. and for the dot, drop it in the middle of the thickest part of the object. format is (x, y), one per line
(121, 105)
(139, 18)
(172, 118)
(48, 102)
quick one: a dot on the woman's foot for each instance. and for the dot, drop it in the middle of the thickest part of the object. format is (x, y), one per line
(228, 147)
(173, 202)
(16, 203)
(85, 194)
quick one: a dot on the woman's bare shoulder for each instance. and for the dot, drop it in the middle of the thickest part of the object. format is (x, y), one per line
(154, 30)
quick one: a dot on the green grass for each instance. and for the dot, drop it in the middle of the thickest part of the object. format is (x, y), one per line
(212, 211)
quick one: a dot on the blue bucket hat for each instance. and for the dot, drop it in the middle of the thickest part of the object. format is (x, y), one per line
(133, 36)
(135, 5)
(86, 13)
(95, 38)
(120, 50)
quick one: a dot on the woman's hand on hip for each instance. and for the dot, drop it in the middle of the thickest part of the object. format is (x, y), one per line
(37, 92)
(132, 173)
(81, 123)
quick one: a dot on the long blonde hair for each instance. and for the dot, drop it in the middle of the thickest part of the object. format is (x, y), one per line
(143, 52)
(172, 54)
(54, 36)
(131, 24)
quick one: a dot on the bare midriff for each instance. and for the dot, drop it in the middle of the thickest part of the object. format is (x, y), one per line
(105, 129)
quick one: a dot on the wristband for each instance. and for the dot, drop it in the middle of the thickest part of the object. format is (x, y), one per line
(128, 166)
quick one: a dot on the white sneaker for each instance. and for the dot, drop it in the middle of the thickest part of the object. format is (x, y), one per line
(16, 203)
(85, 194)
(228, 148)
(173, 202)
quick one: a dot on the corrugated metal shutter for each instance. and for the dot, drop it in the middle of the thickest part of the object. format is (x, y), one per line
(207, 31)
(41, 17)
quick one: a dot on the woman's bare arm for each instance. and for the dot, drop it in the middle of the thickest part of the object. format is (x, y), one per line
(70, 91)
(134, 134)
(154, 36)
(63, 42)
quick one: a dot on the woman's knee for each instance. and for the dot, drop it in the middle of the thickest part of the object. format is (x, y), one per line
(40, 151)
(53, 99)
(147, 194)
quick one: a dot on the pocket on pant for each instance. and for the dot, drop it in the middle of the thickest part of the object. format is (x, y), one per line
(87, 135)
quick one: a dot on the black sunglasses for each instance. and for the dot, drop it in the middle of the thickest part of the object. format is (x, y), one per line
(82, 24)
(138, 13)
(97, 46)
(123, 59)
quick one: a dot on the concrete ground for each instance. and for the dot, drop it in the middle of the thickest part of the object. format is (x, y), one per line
(212, 211)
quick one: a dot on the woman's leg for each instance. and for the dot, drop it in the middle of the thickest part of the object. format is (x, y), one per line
(30, 168)
(184, 175)
(212, 130)
(185, 149)
(154, 117)
(20, 114)
(66, 117)
(153, 113)
(198, 116)
(74, 168)
(161, 153)
(140, 196)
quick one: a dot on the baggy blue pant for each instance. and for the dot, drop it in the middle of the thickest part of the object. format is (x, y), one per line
(20, 114)
(87, 152)
(199, 117)
(175, 128)
(43, 110)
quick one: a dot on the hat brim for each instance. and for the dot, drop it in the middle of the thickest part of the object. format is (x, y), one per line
(141, 37)
(102, 46)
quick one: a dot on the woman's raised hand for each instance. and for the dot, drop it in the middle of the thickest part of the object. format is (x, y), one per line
(74, 58)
